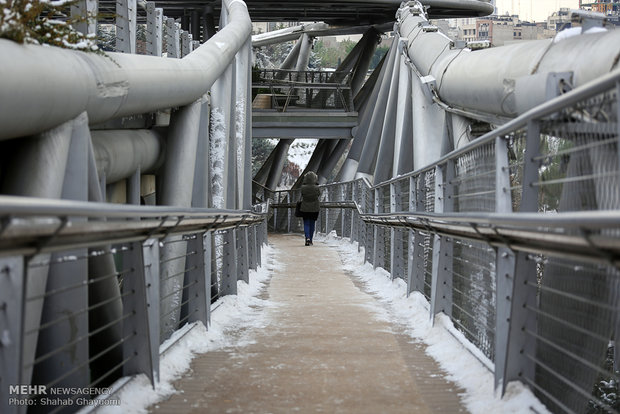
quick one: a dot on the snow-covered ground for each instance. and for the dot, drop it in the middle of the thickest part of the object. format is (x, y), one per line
(243, 311)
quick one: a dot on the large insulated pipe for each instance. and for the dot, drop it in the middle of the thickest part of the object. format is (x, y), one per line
(109, 86)
(489, 80)
(120, 152)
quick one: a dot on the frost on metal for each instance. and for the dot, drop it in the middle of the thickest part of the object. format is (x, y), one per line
(218, 156)
(43, 22)
(240, 134)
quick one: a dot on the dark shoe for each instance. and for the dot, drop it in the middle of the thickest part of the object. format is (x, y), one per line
(308, 242)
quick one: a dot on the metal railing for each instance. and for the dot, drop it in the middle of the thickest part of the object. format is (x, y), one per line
(89, 291)
(305, 89)
(516, 237)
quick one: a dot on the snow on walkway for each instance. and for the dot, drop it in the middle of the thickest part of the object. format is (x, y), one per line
(239, 320)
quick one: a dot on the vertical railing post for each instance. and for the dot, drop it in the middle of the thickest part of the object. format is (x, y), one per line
(252, 247)
(12, 292)
(126, 12)
(86, 12)
(343, 192)
(370, 228)
(375, 231)
(394, 265)
(154, 23)
(172, 39)
(327, 210)
(229, 271)
(413, 250)
(141, 301)
(198, 279)
(186, 43)
(518, 365)
(354, 227)
(289, 212)
(441, 286)
(243, 264)
(504, 264)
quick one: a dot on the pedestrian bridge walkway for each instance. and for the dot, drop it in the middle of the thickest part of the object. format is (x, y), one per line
(323, 349)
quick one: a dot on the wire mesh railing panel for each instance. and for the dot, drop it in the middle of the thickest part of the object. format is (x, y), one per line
(305, 89)
(516, 154)
(427, 264)
(401, 195)
(383, 201)
(474, 180)
(428, 185)
(578, 167)
(75, 317)
(474, 293)
(577, 318)
(386, 256)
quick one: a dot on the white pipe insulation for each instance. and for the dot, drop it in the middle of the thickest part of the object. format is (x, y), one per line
(42, 87)
(506, 80)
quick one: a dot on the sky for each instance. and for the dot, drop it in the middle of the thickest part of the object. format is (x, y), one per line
(534, 10)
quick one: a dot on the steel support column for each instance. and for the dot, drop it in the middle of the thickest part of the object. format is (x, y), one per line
(280, 154)
(67, 365)
(243, 124)
(403, 142)
(37, 169)
(177, 190)
(349, 168)
(373, 134)
(382, 168)
(369, 44)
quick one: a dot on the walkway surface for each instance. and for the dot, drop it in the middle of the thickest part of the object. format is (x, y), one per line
(323, 351)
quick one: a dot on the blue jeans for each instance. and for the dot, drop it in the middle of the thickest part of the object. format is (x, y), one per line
(309, 228)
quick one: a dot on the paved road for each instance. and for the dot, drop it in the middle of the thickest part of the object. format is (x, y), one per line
(323, 351)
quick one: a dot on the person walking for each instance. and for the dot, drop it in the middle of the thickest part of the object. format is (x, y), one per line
(310, 204)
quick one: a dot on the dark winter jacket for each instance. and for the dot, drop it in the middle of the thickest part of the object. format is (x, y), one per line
(310, 196)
